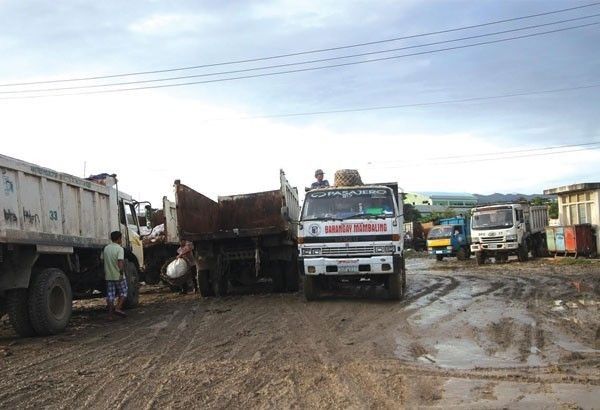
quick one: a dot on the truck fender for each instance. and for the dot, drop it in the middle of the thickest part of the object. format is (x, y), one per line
(15, 272)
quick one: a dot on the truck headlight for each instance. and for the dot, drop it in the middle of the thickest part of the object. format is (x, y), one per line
(305, 251)
(316, 251)
(449, 248)
(390, 248)
(511, 238)
(379, 249)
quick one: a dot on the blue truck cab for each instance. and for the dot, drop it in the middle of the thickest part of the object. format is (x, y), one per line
(452, 237)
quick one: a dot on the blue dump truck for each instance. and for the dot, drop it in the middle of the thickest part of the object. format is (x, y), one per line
(452, 237)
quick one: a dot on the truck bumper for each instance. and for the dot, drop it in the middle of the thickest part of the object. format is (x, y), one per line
(374, 265)
(500, 246)
(444, 252)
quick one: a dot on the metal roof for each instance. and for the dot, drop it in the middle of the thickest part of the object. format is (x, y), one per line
(585, 186)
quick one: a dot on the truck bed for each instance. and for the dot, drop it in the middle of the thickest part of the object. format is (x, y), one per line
(245, 215)
(44, 207)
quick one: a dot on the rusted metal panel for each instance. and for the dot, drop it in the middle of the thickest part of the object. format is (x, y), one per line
(251, 211)
(196, 214)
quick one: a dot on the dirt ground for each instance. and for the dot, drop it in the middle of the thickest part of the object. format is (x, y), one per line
(518, 335)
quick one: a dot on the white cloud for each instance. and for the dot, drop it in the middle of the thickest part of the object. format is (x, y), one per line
(151, 139)
(159, 24)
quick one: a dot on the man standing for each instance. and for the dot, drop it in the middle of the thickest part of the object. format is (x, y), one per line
(114, 268)
(320, 182)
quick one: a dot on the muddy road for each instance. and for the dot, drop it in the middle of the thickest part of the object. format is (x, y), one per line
(513, 335)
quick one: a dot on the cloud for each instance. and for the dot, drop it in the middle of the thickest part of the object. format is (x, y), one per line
(171, 24)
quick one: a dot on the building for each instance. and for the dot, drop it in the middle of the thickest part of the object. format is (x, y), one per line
(579, 204)
(428, 202)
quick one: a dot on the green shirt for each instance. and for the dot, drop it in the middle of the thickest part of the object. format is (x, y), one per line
(112, 253)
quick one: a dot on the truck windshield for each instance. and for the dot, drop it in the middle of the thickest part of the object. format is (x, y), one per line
(348, 204)
(442, 231)
(493, 219)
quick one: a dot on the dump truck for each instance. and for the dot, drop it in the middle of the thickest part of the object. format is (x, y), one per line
(451, 237)
(52, 234)
(508, 229)
(241, 239)
(160, 245)
(354, 235)
(414, 236)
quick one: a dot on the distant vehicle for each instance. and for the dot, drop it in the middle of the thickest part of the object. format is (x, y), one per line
(508, 229)
(241, 239)
(352, 234)
(414, 236)
(54, 229)
(452, 237)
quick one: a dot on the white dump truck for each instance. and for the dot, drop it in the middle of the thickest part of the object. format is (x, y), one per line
(352, 234)
(508, 229)
(52, 232)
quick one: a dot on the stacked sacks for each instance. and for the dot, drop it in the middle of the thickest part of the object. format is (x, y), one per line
(347, 177)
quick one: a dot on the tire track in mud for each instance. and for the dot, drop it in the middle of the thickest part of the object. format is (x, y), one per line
(45, 371)
(327, 353)
(101, 393)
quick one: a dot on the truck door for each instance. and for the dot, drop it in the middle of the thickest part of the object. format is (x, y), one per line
(131, 228)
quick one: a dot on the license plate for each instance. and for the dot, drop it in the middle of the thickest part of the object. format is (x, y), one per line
(439, 252)
(347, 269)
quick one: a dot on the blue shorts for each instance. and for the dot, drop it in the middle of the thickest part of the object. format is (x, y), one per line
(116, 288)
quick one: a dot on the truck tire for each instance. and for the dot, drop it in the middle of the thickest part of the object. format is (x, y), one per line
(203, 279)
(480, 257)
(133, 285)
(220, 285)
(311, 288)
(439, 258)
(277, 276)
(523, 253)
(461, 255)
(50, 302)
(292, 276)
(17, 308)
(395, 290)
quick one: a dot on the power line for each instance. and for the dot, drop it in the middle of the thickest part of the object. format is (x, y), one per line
(92, 86)
(412, 105)
(250, 60)
(305, 69)
(500, 158)
(585, 144)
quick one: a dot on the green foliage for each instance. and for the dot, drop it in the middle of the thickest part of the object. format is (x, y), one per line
(552, 205)
(411, 214)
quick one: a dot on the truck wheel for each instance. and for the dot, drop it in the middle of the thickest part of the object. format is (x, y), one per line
(203, 278)
(480, 257)
(395, 286)
(461, 255)
(278, 276)
(292, 277)
(311, 287)
(523, 254)
(133, 285)
(439, 258)
(17, 308)
(220, 285)
(50, 302)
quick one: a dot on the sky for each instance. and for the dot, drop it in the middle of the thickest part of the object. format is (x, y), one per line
(224, 137)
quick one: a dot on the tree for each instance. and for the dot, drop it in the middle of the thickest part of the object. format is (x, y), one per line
(411, 214)
(553, 210)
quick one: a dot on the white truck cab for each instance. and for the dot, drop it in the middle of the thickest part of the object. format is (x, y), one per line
(352, 234)
(508, 229)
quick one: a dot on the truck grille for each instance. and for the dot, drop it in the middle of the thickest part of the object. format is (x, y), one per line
(342, 250)
(489, 239)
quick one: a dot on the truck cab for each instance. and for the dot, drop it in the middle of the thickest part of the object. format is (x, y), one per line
(450, 238)
(352, 234)
(508, 229)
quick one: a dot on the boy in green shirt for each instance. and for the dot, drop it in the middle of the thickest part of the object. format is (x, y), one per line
(114, 267)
